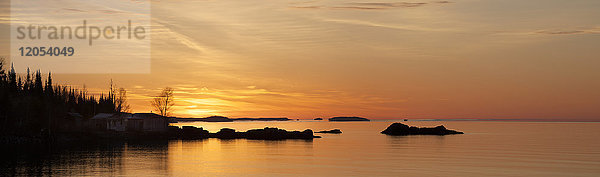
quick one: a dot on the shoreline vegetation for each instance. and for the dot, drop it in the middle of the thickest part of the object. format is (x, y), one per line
(33, 110)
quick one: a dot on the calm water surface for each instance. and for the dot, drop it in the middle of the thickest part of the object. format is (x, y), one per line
(487, 149)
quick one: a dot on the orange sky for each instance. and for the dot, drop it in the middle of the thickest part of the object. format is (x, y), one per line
(378, 59)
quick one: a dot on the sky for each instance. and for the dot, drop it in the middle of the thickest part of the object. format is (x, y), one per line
(488, 59)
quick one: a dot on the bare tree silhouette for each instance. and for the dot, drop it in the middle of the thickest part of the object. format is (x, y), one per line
(164, 102)
(121, 101)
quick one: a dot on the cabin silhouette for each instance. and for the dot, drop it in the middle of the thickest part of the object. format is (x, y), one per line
(120, 122)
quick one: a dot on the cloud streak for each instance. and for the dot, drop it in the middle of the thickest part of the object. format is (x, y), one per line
(569, 32)
(580, 31)
(373, 5)
(162, 27)
(389, 26)
(380, 5)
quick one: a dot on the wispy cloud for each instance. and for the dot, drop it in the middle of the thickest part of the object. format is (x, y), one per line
(307, 7)
(389, 26)
(102, 11)
(588, 30)
(569, 32)
(379, 5)
(372, 5)
(163, 27)
(73, 10)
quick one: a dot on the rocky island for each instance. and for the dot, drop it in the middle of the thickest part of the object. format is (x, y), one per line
(400, 129)
(189, 132)
(347, 119)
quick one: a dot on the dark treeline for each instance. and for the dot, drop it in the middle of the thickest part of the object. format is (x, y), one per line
(32, 106)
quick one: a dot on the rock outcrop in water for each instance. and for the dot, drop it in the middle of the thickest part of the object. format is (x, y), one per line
(334, 131)
(264, 134)
(188, 132)
(402, 129)
(347, 119)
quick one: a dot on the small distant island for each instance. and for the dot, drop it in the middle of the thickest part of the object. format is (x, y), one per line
(347, 119)
(318, 118)
(334, 131)
(226, 119)
(400, 129)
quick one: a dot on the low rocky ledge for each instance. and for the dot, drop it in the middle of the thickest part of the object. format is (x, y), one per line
(400, 129)
(189, 132)
(334, 131)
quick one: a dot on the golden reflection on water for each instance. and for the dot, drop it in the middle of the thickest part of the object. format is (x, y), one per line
(487, 149)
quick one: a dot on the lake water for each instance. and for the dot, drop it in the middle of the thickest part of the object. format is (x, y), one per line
(486, 149)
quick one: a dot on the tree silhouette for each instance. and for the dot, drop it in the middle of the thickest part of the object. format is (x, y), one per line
(2, 73)
(121, 101)
(164, 102)
(12, 78)
(29, 105)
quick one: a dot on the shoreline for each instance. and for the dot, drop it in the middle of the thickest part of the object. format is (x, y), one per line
(173, 133)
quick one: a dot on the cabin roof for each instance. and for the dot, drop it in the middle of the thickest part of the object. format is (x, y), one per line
(102, 115)
(112, 115)
(147, 115)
